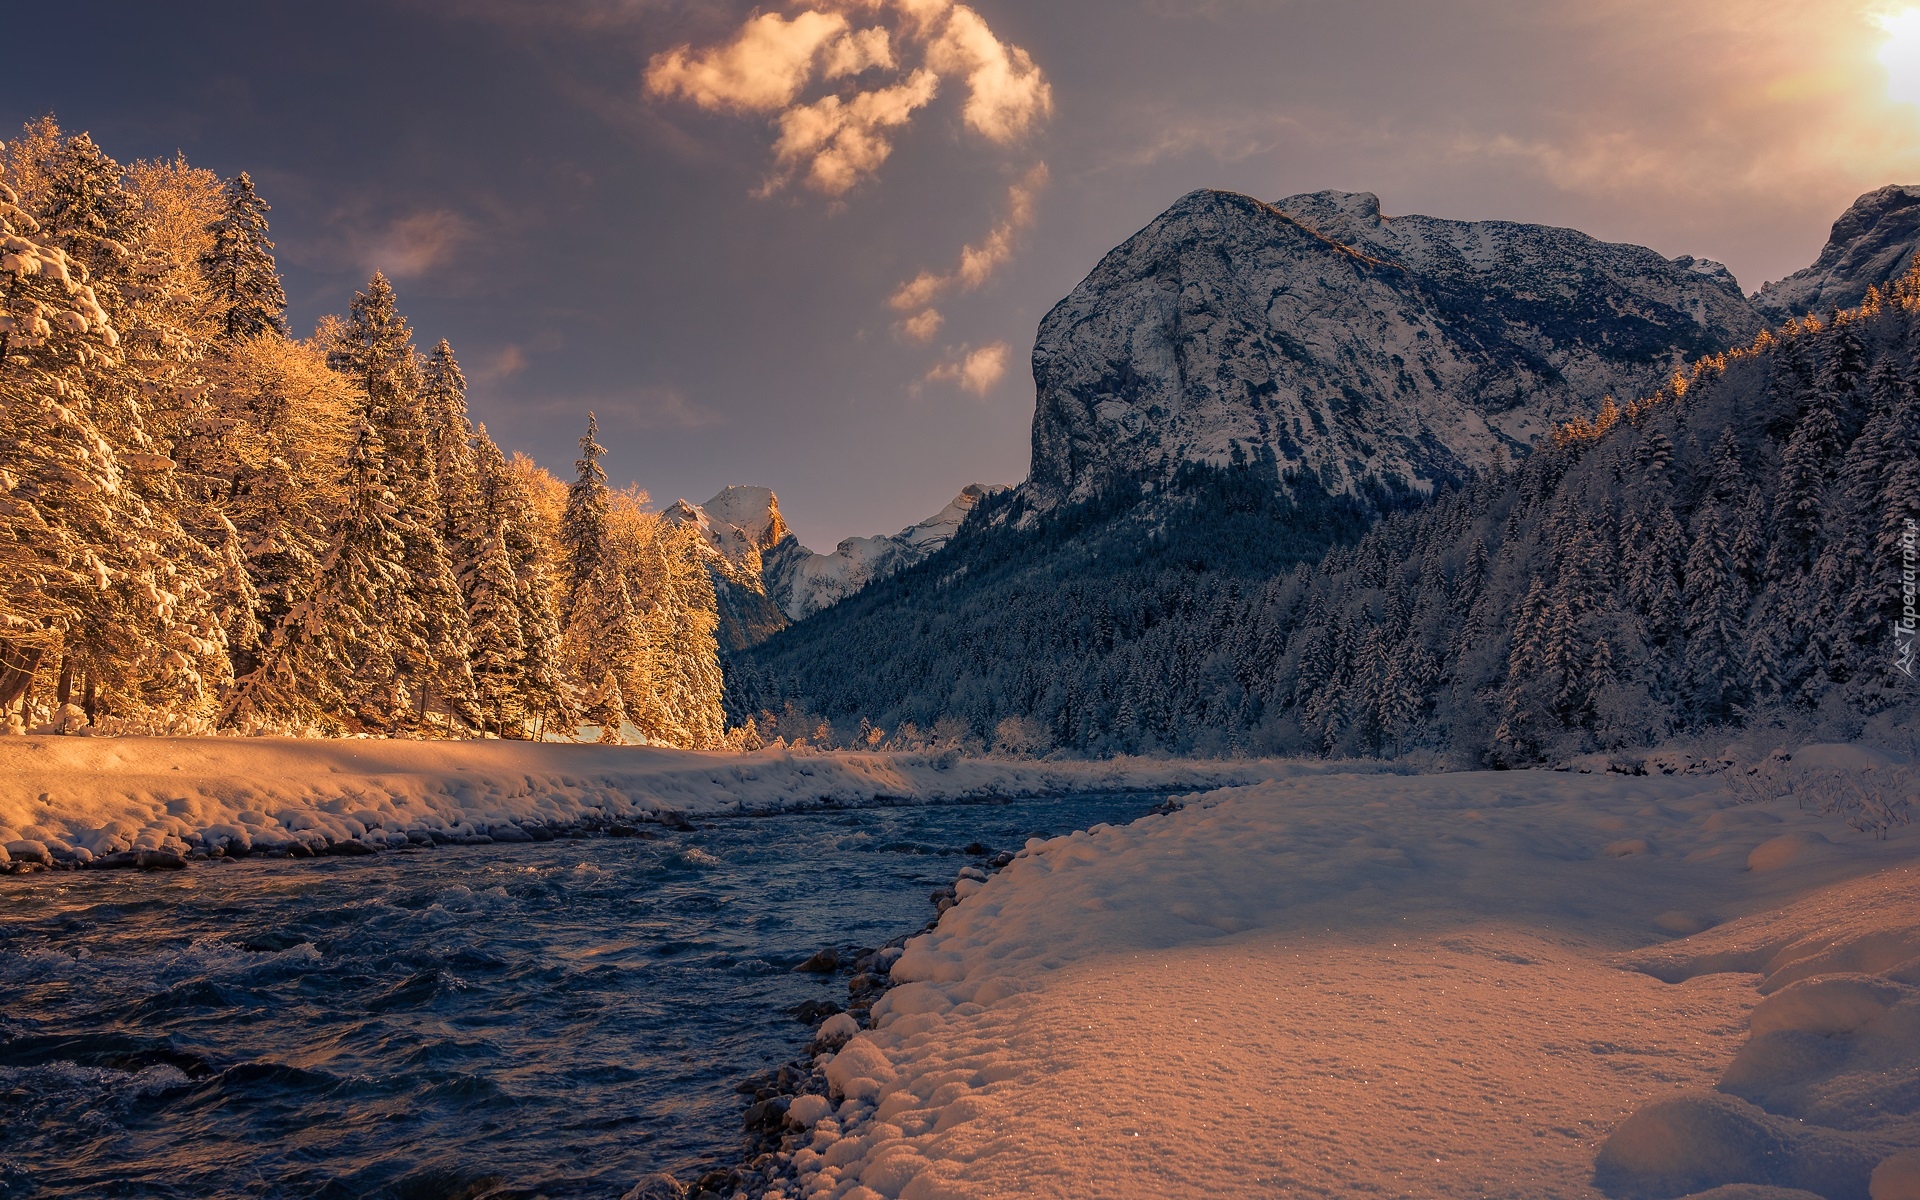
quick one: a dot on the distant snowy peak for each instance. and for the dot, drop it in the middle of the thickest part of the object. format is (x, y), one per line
(767, 579)
(1872, 244)
(1341, 343)
(803, 582)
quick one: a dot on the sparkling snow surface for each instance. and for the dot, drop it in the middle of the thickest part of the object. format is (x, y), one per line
(84, 798)
(1374, 985)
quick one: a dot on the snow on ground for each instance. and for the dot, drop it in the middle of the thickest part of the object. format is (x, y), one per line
(1436, 986)
(158, 799)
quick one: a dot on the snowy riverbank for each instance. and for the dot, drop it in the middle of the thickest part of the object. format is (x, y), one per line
(158, 801)
(1456, 985)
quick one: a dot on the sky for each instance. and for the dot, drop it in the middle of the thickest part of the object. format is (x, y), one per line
(806, 246)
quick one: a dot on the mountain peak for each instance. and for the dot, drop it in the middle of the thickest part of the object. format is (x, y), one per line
(764, 578)
(1872, 244)
(1325, 339)
(754, 511)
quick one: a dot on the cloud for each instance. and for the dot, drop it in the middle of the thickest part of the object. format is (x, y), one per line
(504, 363)
(979, 260)
(921, 326)
(762, 69)
(976, 370)
(1007, 94)
(839, 142)
(858, 52)
(833, 142)
(412, 246)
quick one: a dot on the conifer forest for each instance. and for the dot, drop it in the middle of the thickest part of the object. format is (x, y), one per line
(211, 524)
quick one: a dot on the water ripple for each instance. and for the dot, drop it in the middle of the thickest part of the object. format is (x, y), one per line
(549, 1019)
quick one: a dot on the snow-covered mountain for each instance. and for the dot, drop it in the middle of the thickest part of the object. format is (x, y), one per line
(1872, 244)
(1345, 343)
(766, 579)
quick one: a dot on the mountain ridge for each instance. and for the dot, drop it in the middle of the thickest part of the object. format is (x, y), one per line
(765, 579)
(1095, 606)
(1333, 340)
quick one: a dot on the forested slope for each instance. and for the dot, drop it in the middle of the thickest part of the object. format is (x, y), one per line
(1730, 544)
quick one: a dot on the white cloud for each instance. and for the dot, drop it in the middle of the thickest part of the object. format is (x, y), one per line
(976, 370)
(834, 142)
(1007, 94)
(840, 142)
(764, 68)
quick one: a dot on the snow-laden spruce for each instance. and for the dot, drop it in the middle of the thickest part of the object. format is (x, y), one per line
(204, 522)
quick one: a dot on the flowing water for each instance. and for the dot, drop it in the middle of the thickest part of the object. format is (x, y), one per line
(530, 1020)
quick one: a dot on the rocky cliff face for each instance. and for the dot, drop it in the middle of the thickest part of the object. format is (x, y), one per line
(765, 579)
(1872, 244)
(739, 527)
(1336, 341)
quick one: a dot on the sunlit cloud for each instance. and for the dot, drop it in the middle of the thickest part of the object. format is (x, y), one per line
(1007, 96)
(504, 363)
(837, 143)
(975, 370)
(978, 261)
(834, 142)
(762, 69)
(412, 246)
(921, 326)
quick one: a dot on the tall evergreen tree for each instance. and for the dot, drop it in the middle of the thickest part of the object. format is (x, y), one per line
(338, 659)
(376, 353)
(248, 296)
(583, 527)
(443, 402)
(499, 646)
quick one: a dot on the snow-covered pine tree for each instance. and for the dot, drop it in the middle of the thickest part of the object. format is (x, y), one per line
(61, 497)
(337, 660)
(605, 641)
(375, 351)
(1716, 608)
(499, 648)
(90, 214)
(605, 632)
(693, 648)
(248, 297)
(144, 644)
(583, 528)
(503, 501)
(443, 402)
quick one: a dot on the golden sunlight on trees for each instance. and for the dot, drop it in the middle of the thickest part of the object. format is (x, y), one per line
(206, 524)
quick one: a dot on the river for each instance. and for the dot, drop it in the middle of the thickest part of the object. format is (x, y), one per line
(499, 1021)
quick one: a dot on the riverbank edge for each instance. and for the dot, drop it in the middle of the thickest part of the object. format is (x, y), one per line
(162, 803)
(199, 854)
(766, 1162)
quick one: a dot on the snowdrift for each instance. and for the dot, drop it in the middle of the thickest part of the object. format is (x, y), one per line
(1460, 985)
(158, 801)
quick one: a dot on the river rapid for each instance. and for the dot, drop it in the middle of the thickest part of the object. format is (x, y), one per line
(551, 1019)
